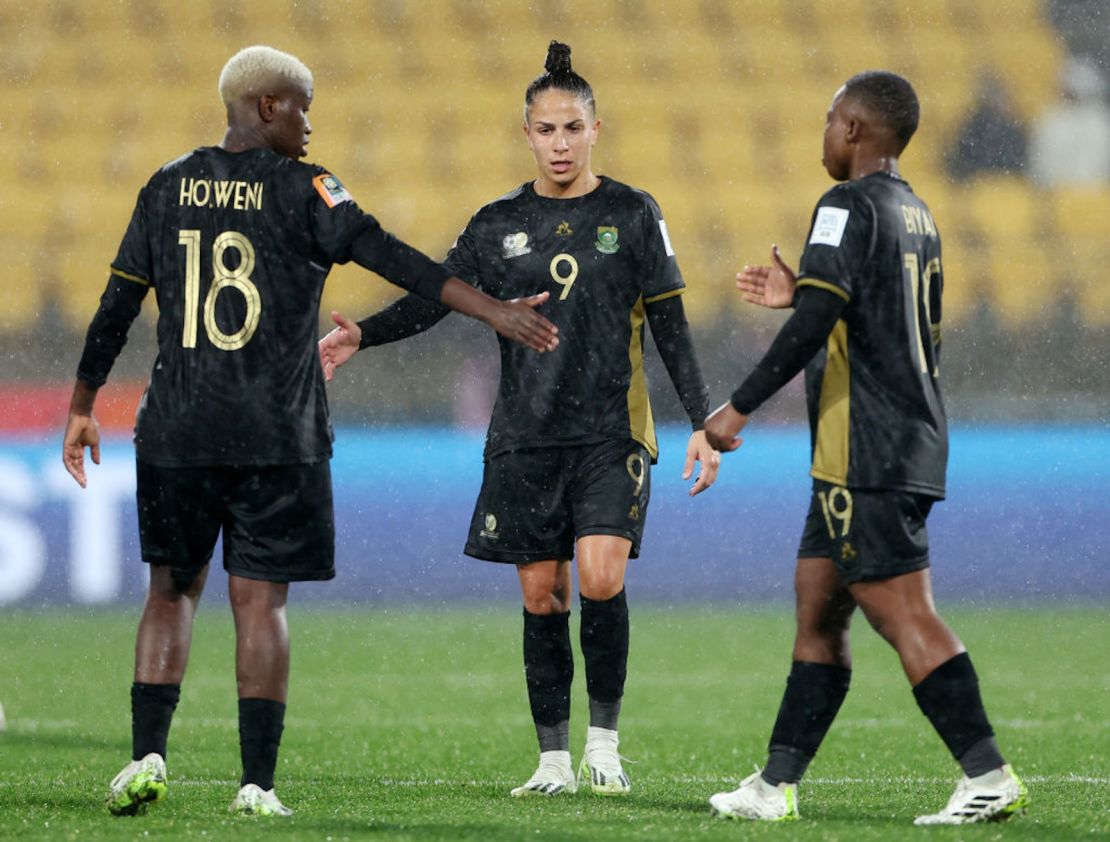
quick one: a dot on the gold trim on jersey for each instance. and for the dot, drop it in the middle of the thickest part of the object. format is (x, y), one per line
(128, 277)
(641, 424)
(830, 454)
(665, 295)
(825, 285)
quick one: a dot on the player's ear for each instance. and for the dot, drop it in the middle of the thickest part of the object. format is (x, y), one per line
(853, 130)
(267, 108)
(596, 129)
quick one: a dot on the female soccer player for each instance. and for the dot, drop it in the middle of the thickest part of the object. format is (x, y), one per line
(868, 295)
(571, 441)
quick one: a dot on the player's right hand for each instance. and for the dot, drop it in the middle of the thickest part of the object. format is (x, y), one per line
(340, 345)
(518, 320)
(768, 286)
(81, 431)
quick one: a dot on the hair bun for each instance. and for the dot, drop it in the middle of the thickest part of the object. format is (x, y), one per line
(558, 59)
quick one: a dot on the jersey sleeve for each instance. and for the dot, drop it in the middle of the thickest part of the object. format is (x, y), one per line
(840, 243)
(134, 261)
(335, 219)
(462, 258)
(661, 276)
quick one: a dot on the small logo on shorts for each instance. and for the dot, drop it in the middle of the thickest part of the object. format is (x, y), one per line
(847, 552)
(491, 528)
(634, 512)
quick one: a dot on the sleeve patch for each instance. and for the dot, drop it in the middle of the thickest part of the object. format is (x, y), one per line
(666, 238)
(331, 190)
(828, 227)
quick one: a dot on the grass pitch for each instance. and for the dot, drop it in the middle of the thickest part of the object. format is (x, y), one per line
(412, 723)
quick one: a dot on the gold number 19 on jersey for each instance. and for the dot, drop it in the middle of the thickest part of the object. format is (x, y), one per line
(239, 278)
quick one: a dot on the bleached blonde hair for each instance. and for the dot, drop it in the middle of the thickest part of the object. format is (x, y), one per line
(254, 71)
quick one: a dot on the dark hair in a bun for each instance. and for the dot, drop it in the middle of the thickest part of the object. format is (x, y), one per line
(558, 74)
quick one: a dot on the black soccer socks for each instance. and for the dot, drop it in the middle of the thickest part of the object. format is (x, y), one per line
(152, 707)
(604, 637)
(949, 696)
(549, 670)
(261, 722)
(814, 693)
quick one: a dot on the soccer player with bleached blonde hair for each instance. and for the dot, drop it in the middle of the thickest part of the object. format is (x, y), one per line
(233, 435)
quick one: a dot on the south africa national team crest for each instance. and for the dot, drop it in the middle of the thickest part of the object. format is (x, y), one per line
(514, 245)
(607, 239)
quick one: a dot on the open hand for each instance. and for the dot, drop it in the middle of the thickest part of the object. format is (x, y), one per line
(768, 286)
(518, 320)
(340, 345)
(81, 431)
(698, 449)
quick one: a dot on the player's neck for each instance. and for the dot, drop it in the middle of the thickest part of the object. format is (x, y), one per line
(238, 139)
(869, 164)
(586, 182)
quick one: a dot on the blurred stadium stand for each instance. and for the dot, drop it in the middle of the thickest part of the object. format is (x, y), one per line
(715, 107)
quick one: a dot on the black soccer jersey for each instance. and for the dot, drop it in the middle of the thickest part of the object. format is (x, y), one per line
(601, 256)
(236, 247)
(876, 415)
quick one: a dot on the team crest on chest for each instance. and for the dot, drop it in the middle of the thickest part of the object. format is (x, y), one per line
(564, 229)
(607, 239)
(514, 245)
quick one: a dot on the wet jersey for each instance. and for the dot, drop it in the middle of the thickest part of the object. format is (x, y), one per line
(876, 415)
(236, 247)
(601, 256)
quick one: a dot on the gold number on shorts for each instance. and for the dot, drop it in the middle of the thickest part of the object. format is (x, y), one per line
(635, 467)
(239, 278)
(837, 505)
(565, 281)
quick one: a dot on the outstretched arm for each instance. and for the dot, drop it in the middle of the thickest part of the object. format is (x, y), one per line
(403, 318)
(671, 332)
(801, 337)
(400, 264)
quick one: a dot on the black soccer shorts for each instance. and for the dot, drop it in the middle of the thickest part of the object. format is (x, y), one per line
(535, 503)
(869, 535)
(277, 520)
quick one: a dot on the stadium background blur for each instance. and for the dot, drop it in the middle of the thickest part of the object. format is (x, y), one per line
(715, 107)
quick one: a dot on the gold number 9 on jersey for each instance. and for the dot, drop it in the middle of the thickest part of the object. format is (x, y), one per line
(239, 278)
(565, 281)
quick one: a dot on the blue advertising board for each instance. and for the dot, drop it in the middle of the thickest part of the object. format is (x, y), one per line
(1025, 519)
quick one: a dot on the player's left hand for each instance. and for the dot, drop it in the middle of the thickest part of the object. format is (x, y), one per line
(339, 345)
(723, 426)
(699, 450)
(81, 431)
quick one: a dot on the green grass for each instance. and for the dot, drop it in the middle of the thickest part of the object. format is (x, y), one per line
(412, 723)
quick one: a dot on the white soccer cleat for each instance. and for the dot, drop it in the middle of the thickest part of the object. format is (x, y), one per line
(553, 776)
(139, 783)
(602, 763)
(992, 797)
(253, 800)
(758, 800)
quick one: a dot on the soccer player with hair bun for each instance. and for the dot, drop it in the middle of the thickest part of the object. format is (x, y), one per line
(866, 328)
(233, 434)
(571, 440)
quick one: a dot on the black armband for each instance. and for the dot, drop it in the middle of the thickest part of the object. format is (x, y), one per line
(803, 334)
(398, 262)
(403, 318)
(671, 332)
(119, 306)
